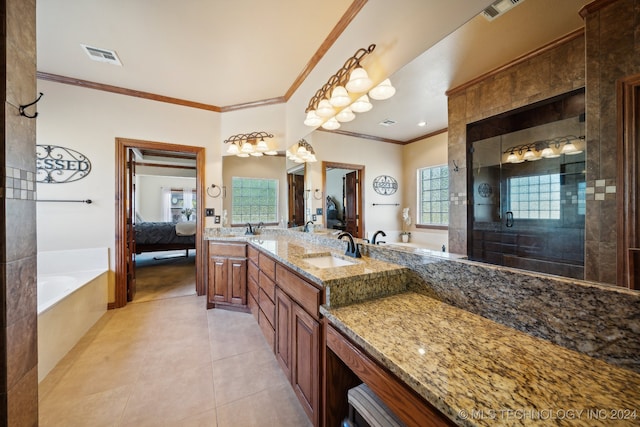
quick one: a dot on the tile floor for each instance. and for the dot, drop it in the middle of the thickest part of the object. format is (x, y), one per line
(170, 362)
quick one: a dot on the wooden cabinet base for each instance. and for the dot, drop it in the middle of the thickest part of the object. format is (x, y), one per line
(229, 306)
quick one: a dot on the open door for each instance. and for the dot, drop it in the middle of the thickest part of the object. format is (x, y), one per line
(351, 203)
(353, 216)
(130, 229)
(295, 183)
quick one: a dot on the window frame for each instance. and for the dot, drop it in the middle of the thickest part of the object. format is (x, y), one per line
(255, 221)
(419, 201)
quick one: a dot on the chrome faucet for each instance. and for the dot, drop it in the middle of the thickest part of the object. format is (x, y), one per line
(352, 249)
(373, 239)
(306, 226)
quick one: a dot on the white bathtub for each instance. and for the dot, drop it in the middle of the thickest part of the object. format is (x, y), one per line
(72, 296)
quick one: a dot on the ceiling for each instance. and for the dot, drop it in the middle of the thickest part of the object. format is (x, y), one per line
(228, 53)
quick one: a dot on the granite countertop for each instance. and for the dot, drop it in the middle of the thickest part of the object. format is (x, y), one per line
(365, 278)
(481, 373)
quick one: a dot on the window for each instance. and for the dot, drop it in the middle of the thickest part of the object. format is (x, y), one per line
(535, 197)
(433, 195)
(254, 200)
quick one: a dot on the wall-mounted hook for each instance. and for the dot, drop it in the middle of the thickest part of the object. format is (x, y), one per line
(22, 107)
(455, 166)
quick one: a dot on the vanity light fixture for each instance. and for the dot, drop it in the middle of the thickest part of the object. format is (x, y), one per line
(302, 152)
(546, 149)
(346, 89)
(246, 144)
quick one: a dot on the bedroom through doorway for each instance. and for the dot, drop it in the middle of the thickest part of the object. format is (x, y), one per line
(158, 227)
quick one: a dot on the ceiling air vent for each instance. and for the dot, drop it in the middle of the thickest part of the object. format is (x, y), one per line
(102, 55)
(499, 7)
(387, 122)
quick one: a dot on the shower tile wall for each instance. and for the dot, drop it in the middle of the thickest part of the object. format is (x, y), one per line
(18, 361)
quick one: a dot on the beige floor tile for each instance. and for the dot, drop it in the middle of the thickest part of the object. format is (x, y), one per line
(170, 398)
(170, 362)
(95, 410)
(274, 406)
(245, 374)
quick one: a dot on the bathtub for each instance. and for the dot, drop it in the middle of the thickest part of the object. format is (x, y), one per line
(72, 296)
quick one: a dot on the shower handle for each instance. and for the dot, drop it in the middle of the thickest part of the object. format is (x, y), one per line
(509, 222)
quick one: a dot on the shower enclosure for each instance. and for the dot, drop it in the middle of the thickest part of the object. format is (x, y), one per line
(527, 172)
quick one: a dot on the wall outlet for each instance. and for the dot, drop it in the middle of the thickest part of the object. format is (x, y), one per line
(217, 219)
(209, 212)
(314, 217)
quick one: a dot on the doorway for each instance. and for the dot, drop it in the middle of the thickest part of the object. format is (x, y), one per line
(343, 204)
(125, 285)
(295, 190)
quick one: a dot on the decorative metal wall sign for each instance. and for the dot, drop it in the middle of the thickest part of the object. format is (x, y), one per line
(385, 185)
(59, 165)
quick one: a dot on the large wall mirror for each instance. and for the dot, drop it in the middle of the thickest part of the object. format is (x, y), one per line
(527, 171)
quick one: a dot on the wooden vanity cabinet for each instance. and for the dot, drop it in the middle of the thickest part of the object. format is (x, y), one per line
(298, 335)
(227, 275)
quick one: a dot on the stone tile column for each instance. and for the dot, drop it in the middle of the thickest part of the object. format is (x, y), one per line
(19, 355)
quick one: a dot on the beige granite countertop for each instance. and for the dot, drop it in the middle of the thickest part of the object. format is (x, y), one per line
(481, 373)
(365, 278)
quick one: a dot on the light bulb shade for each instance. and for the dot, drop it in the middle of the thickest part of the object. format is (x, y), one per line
(346, 115)
(243, 154)
(247, 147)
(233, 149)
(383, 91)
(325, 109)
(256, 153)
(359, 81)
(570, 149)
(271, 153)
(301, 151)
(361, 105)
(513, 158)
(331, 124)
(313, 119)
(548, 153)
(312, 158)
(262, 146)
(340, 97)
(530, 156)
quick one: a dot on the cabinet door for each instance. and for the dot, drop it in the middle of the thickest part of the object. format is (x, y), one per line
(305, 369)
(218, 282)
(283, 331)
(237, 281)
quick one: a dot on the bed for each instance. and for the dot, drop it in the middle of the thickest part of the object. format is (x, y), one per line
(164, 236)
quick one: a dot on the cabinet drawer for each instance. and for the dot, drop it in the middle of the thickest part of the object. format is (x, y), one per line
(252, 271)
(267, 306)
(267, 330)
(252, 254)
(252, 286)
(267, 265)
(268, 286)
(304, 293)
(253, 306)
(228, 249)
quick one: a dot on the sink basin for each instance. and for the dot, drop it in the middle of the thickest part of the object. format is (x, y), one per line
(326, 260)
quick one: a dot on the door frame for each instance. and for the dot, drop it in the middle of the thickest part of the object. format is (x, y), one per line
(122, 145)
(360, 198)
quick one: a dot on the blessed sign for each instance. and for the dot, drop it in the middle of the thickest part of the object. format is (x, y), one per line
(57, 165)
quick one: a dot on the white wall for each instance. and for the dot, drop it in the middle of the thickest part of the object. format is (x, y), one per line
(424, 153)
(89, 121)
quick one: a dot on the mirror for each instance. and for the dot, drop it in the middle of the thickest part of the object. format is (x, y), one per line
(266, 201)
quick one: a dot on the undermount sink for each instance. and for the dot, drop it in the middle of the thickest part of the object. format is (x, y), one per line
(326, 260)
